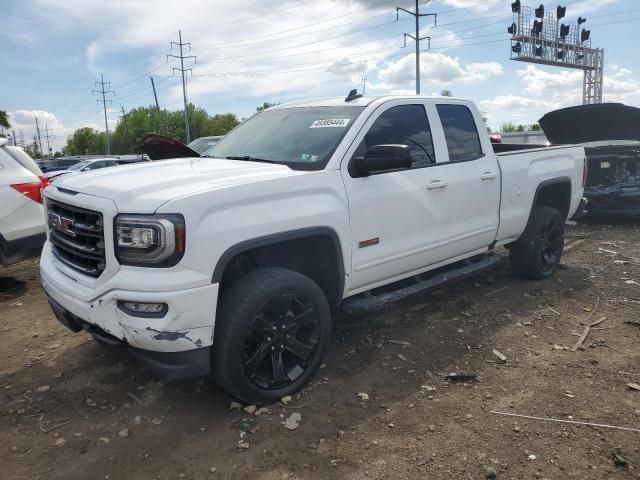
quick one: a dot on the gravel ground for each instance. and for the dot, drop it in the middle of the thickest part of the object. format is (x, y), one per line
(71, 409)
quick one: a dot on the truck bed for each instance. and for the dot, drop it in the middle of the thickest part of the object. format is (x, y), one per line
(523, 172)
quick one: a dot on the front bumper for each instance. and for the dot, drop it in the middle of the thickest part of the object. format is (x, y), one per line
(171, 365)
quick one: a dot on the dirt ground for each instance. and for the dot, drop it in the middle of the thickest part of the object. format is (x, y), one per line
(71, 409)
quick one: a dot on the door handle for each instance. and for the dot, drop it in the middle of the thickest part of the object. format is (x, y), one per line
(488, 176)
(437, 184)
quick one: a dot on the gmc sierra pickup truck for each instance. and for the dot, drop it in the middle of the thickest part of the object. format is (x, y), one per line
(231, 264)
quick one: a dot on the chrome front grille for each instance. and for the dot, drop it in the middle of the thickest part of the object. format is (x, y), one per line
(77, 237)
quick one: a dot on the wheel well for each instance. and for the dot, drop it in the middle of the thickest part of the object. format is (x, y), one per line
(556, 195)
(315, 256)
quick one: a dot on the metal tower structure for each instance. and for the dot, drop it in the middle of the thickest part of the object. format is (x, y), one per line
(538, 36)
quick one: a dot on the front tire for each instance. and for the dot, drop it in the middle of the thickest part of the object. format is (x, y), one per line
(271, 333)
(537, 254)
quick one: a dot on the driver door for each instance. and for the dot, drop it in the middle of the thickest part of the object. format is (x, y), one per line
(398, 220)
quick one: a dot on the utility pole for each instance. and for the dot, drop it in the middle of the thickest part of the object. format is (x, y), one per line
(21, 137)
(417, 37)
(158, 115)
(104, 101)
(182, 70)
(35, 145)
(126, 127)
(47, 136)
(39, 138)
(364, 83)
(13, 132)
(155, 94)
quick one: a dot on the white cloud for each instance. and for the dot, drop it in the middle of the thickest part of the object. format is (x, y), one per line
(551, 89)
(435, 68)
(513, 102)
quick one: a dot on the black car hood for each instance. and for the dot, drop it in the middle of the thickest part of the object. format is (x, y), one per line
(159, 147)
(592, 123)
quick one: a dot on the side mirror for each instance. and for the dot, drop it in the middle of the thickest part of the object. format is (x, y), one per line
(86, 169)
(383, 158)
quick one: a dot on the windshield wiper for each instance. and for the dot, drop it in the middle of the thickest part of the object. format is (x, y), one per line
(250, 159)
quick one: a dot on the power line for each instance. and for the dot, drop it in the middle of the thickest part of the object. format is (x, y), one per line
(104, 101)
(417, 36)
(182, 70)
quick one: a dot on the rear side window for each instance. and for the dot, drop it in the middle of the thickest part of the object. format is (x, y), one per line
(461, 133)
(404, 125)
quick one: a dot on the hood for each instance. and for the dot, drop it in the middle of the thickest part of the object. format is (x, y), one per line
(159, 147)
(143, 187)
(604, 122)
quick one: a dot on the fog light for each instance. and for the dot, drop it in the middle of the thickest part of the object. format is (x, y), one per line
(143, 309)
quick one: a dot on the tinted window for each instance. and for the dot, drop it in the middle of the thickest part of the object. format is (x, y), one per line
(460, 132)
(300, 137)
(404, 125)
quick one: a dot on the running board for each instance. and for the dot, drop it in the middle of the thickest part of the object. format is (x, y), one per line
(371, 302)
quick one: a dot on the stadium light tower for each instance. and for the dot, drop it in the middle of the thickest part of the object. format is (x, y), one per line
(537, 36)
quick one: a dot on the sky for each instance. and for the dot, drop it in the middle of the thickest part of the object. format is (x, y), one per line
(53, 51)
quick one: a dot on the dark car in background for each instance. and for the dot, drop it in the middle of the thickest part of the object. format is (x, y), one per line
(610, 133)
(56, 164)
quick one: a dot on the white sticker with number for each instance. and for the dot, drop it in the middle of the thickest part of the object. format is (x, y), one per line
(331, 122)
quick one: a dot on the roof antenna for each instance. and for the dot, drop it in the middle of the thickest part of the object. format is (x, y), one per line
(353, 94)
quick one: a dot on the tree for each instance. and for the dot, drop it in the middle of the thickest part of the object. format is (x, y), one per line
(86, 141)
(265, 105)
(446, 93)
(535, 127)
(4, 119)
(126, 137)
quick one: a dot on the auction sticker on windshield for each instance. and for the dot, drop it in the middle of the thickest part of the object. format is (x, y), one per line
(331, 122)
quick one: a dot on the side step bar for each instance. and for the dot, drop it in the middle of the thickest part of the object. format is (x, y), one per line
(371, 302)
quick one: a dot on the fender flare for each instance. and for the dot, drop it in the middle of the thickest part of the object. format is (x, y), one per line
(280, 237)
(541, 185)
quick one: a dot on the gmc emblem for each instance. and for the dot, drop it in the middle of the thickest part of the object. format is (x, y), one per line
(61, 224)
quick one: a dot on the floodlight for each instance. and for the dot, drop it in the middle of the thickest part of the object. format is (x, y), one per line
(537, 28)
(540, 11)
(515, 6)
(564, 31)
(512, 29)
(561, 12)
(584, 35)
(581, 20)
(560, 54)
(517, 48)
(538, 51)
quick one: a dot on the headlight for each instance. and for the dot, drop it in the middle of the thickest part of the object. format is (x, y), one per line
(149, 240)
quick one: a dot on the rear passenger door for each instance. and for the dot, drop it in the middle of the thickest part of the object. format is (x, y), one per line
(469, 179)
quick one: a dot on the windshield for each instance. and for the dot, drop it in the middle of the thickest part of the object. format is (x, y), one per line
(79, 166)
(201, 145)
(301, 138)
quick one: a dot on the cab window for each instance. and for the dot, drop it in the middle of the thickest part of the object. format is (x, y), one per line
(460, 132)
(403, 125)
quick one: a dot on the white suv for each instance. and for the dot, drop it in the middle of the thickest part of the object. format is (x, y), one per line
(22, 225)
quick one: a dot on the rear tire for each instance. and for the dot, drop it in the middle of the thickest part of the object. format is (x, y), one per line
(537, 254)
(272, 329)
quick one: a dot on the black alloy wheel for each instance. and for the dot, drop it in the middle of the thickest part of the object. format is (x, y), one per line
(282, 341)
(272, 328)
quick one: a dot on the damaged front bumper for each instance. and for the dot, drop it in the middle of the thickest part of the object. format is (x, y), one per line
(170, 365)
(619, 199)
(176, 344)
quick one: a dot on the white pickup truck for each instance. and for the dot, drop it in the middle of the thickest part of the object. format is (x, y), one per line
(231, 264)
